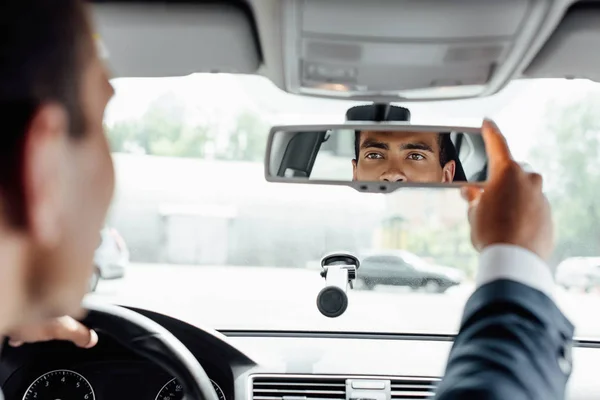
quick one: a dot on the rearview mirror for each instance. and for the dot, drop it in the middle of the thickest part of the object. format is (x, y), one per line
(376, 157)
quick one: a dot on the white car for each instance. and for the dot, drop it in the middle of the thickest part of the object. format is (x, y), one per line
(579, 273)
(111, 257)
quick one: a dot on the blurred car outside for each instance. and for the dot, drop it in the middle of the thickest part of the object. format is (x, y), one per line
(403, 268)
(111, 257)
(579, 273)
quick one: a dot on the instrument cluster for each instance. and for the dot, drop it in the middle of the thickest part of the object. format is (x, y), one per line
(68, 384)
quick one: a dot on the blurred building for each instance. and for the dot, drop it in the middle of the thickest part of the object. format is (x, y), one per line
(193, 211)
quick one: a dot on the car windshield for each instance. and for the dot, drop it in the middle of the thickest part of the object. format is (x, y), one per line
(198, 234)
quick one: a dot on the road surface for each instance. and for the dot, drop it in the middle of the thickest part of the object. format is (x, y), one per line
(285, 298)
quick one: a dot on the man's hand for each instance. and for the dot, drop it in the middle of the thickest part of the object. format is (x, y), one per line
(511, 209)
(63, 328)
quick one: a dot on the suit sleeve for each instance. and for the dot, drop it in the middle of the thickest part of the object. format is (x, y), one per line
(514, 343)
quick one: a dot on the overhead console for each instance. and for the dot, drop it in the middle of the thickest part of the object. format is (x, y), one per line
(389, 50)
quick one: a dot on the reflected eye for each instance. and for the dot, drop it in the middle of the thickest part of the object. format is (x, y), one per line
(415, 157)
(373, 156)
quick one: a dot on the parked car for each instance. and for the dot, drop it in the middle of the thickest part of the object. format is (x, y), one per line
(582, 273)
(403, 268)
(111, 257)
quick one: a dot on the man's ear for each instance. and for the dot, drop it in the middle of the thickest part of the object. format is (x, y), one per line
(43, 156)
(448, 171)
(354, 163)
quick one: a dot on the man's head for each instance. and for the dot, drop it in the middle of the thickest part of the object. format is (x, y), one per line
(403, 157)
(57, 175)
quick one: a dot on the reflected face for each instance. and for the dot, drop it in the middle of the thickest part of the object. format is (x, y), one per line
(401, 157)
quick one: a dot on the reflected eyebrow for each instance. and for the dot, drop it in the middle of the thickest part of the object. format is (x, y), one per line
(372, 143)
(417, 146)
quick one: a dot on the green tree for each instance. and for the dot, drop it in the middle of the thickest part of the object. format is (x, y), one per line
(163, 123)
(249, 139)
(164, 130)
(190, 142)
(123, 134)
(568, 156)
(449, 246)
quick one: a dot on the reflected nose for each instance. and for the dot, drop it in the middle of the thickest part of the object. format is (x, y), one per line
(393, 176)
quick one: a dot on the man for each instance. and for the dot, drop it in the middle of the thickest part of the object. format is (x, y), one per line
(402, 157)
(57, 181)
(513, 343)
(57, 175)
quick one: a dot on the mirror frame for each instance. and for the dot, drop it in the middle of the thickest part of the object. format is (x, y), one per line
(362, 186)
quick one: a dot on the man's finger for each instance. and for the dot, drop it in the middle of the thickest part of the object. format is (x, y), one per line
(536, 180)
(66, 328)
(495, 146)
(93, 340)
(470, 193)
(471, 211)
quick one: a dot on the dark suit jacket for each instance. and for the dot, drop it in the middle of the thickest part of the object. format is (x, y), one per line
(513, 344)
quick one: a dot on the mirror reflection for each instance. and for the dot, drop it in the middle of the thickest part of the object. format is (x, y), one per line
(379, 155)
(404, 157)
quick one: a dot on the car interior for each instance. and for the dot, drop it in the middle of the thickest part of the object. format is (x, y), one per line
(374, 52)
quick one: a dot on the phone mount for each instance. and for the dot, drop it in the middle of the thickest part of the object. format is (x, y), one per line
(339, 271)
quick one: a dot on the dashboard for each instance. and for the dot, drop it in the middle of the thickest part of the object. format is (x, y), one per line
(253, 366)
(56, 369)
(109, 371)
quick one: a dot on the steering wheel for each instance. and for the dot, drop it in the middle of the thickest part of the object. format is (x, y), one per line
(153, 342)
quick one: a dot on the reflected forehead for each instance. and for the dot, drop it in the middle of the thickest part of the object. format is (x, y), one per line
(400, 137)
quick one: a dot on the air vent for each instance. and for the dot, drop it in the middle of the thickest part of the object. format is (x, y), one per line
(298, 388)
(334, 387)
(413, 388)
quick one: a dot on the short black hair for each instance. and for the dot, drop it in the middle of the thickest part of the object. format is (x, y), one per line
(43, 47)
(444, 141)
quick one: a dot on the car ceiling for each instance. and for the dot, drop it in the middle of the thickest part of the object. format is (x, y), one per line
(458, 49)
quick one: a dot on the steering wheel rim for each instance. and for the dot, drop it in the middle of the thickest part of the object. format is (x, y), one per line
(152, 341)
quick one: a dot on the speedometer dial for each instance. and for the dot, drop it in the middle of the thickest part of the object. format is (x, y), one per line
(60, 384)
(172, 390)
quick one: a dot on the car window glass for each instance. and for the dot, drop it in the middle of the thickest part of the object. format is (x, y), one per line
(192, 205)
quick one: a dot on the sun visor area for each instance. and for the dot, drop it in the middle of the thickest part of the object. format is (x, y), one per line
(387, 50)
(158, 40)
(571, 51)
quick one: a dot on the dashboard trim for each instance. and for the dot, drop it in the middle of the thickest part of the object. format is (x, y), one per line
(424, 337)
(340, 335)
(345, 376)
